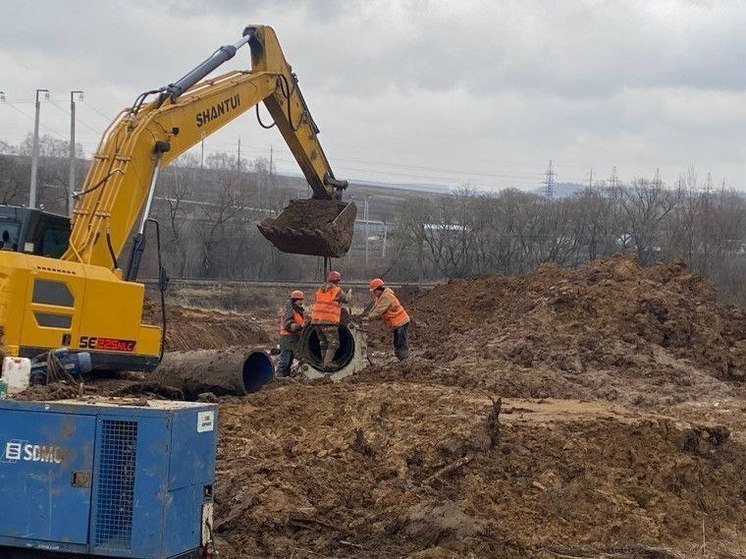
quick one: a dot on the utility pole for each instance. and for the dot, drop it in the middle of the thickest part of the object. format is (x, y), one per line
(71, 178)
(270, 178)
(549, 181)
(365, 212)
(35, 151)
(239, 162)
(202, 157)
(385, 231)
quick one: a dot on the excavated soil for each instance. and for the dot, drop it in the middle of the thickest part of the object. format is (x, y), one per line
(563, 414)
(394, 469)
(612, 330)
(191, 328)
(309, 227)
(308, 214)
(620, 434)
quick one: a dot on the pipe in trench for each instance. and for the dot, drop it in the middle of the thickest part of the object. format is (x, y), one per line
(310, 349)
(220, 371)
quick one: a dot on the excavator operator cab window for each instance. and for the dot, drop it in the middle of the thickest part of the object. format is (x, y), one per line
(53, 241)
(9, 235)
(33, 231)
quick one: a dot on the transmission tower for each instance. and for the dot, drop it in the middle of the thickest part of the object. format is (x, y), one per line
(657, 180)
(708, 185)
(613, 179)
(549, 181)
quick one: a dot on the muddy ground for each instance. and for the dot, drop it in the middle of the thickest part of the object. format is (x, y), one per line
(620, 432)
(563, 414)
(190, 328)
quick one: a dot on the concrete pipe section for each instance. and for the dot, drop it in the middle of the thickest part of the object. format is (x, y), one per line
(230, 371)
(350, 358)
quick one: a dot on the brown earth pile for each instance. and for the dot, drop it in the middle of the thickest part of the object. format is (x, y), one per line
(191, 328)
(420, 460)
(610, 330)
(408, 470)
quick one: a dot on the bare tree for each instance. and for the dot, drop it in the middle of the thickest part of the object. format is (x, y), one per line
(645, 205)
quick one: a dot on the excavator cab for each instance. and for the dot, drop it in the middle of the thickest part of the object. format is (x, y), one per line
(313, 227)
(33, 231)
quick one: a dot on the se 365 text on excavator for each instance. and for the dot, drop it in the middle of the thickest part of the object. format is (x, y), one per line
(57, 291)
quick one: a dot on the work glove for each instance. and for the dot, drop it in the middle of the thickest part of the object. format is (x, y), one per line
(296, 327)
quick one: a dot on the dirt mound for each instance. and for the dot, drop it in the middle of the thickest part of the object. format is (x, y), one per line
(421, 460)
(610, 330)
(389, 470)
(189, 328)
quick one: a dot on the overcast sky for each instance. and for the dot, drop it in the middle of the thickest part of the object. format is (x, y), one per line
(446, 92)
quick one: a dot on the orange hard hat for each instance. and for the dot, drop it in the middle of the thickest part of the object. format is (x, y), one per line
(334, 275)
(297, 294)
(375, 284)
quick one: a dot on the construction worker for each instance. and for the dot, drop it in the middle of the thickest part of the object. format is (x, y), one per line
(327, 314)
(388, 308)
(291, 327)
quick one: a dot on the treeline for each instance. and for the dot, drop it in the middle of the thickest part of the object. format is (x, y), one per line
(512, 232)
(207, 210)
(208, 213)
(208, 217)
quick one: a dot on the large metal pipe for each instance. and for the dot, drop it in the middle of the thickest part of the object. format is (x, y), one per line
(222, 372)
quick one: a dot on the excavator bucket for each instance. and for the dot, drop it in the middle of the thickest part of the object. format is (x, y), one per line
(314, 227)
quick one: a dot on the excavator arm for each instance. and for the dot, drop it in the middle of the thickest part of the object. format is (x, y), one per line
(120, 184)
(79, 300)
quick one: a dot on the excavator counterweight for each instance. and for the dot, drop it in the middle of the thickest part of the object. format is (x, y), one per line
(313, 227)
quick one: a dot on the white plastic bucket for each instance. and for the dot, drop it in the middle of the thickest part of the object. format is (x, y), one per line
(16, 372)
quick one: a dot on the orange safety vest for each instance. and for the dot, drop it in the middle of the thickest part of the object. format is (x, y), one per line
(395, 316)
(297, 319)
(326, 308)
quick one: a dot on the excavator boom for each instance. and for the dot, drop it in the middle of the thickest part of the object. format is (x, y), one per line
(121, 181)
(83, 300)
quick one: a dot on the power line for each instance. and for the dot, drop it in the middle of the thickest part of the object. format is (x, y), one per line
(77, 119)
(52, 130)
(97, 111)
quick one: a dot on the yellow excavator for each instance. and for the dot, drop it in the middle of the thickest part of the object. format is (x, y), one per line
(71, 292)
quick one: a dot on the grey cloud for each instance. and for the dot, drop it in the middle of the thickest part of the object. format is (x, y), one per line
(583, 49)
(590, 82)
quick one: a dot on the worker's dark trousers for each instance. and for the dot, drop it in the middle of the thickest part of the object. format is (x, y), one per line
(401, 348)
(288, 344)
(283, 365)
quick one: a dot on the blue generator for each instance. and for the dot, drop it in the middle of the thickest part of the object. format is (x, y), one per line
(111, 479)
